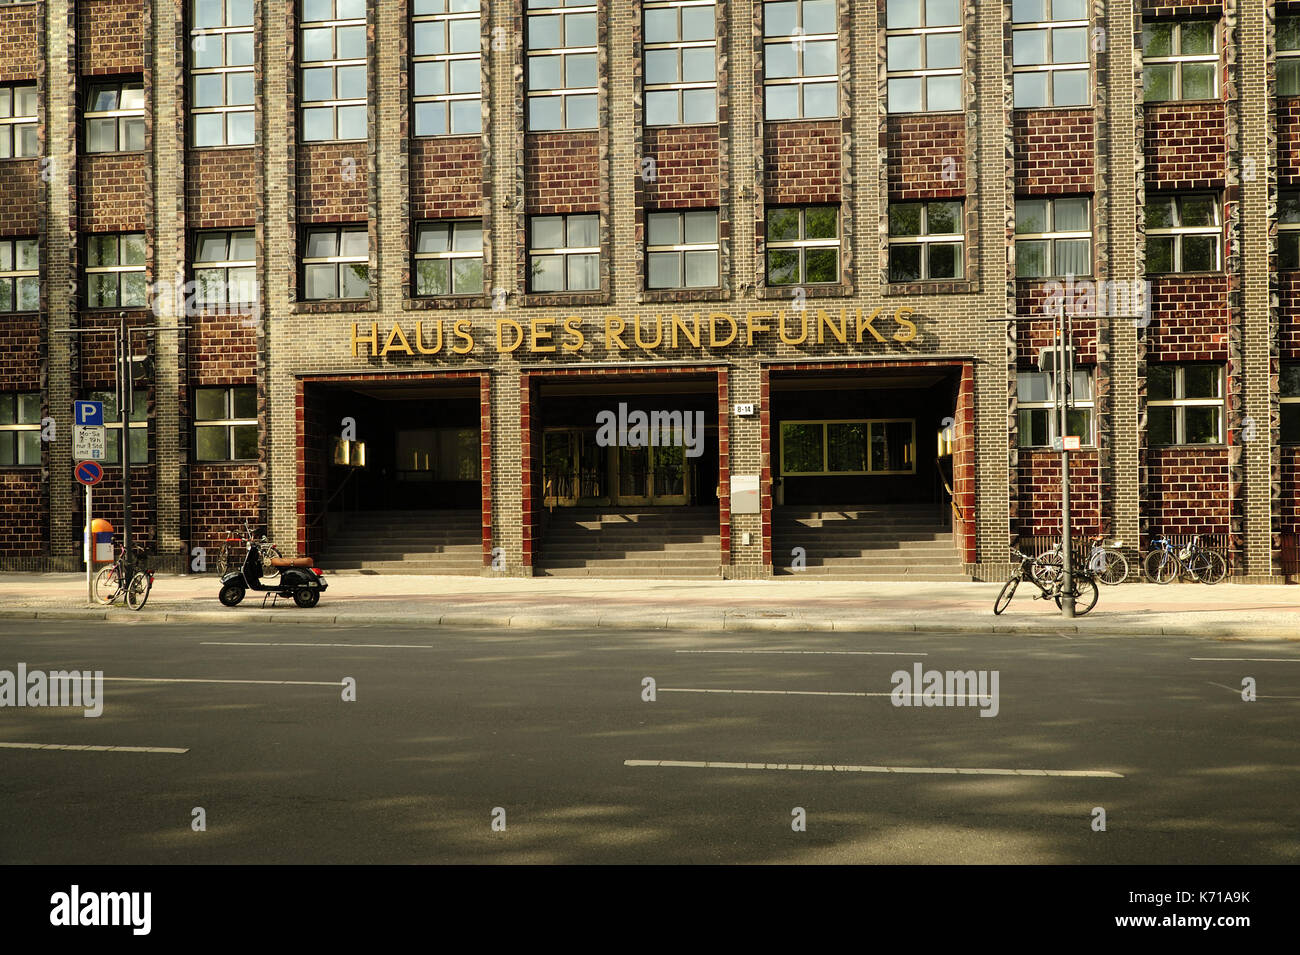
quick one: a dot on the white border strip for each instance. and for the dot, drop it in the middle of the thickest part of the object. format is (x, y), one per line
(899, 770)
(96, 749)
(150, 679)
(358, 646)
(852, 653)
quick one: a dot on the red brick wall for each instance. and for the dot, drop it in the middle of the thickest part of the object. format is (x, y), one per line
(1187, 490)
(686, 167)
(223, 350)
(1288, 141)
(114, 192)
(19, 364)
(1055, 151)
(20, 188)
(1290, 523)
(1186, 145)
(447, 178)
(24, 513)
(563, 172)
(219, 188)
(110, 36)
(1189, 318)
(222, 498)
(330, 187)
(19, 52)
(925, 156)
(802, 162)
(1040, 493)
(1185, 8)
(1288, 314)
(98, 365)
(108, 503)
(1031, 296)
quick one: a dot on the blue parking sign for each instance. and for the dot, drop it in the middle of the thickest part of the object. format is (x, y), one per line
(88, 412)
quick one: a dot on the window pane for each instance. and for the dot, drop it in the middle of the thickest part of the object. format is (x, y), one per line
(1070, 88)
(902, 14)
(466, 116)
(6, 295)
(698, 23)
(352, 122)
(945, 261)
(433, 277)
(354, 242)
(1289, 383)
(781, 102)
(245, 439)
(1198, 37)
(321, 281)
(468, 237)
(1160, 212)
(1028, 11)
(584, 272)
(28, 298)
(819, 17)
(821, 99)
(351, 43)
(1158, 39)
(580, 71)
(904, 263)
(1160, 254)
(661, 66)
(584, 232)
(698, 65)
(780, 19)
(1158, 82)
(701, 269)
(943, 218)
(580, 112)
(660, 26)
(1079, 423)
(905, 218)
(464, 36)
(321, 243)
(783, 267)
(210, 444)
(943, 93)
(547, 232)
(701, 227)
(780, 60)
(819, 59)
(356, 280)
(467, 276)
(101, 290)
(1031, 257)
(700, 106)
(903, 52)
(1200, 253)
(801, 448)
(664, 270)
(211, 247)
(782, 225)
(317, 124)
(134, 291)
(1032, 386)
(1288, 33)
(905, 95)
(1029, 47)
(430, 119)
(466, 76)
(821, 222)
(1160, 425)
(430, 79)
(209, 404)
(822, 265)
(661, 107)
(1071, 215)
(547, 273)
(1073, 257)
(1198, 80)
(244, 401)
(943, 51)
(132, 96)
(101, 135)
(1201, 381)
(1031, 215)
(317, 45)
(1070, 45)
(1030, 90)
(239, 89)
(1160, 382)
(1201, 425)
(209, 89)
(663, 228)
(1291, 424)
(846, 447)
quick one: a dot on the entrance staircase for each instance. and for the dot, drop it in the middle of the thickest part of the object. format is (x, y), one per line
(679, 542)
(407, 542)
(882, 542)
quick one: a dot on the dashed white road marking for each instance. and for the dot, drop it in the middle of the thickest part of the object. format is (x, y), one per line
(1247, 659)
(847, 653)
(1258, 696)
(384, 646)
(95, 749)
(679, 689)
(150, 679)
(899, 770)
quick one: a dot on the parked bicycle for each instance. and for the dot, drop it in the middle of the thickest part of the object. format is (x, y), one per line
(1083, 586)
(129, 579)
(1164, 564)
(1106, 564)
(235, 547)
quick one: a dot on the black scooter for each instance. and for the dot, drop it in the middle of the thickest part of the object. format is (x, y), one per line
(297, 578)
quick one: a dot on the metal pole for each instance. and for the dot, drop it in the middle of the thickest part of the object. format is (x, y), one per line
(1067, 576)
(90, 549)
(124, 412)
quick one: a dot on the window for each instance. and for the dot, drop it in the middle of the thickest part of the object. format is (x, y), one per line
(225, 268)
(447, 75)
(449, 258)
(681, 69)
(438, 454)
(564, 253)
(221, 72)
(801, 59)
(923, 43)
(1040, 425)
(1180, 60)
(332, 40)
(20, 429)
(1049, 53)
(20, 275)
(1288, 56)
(1290, 401)
(336, 263)
(803, 245)
(925, 241)
(682, 249)
(1053, 237)
(1288, 230)
(115, 117)
(115, 271)
(561, 65)
(885, 446)
(225, 423)
(139, 429)
(1184, 404)
(1184, 233)
(18, 121)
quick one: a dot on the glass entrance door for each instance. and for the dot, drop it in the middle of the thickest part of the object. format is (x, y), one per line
(652, 475)
(574, 469)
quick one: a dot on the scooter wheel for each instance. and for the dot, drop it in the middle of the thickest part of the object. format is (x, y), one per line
(231, 595)
(305, 597)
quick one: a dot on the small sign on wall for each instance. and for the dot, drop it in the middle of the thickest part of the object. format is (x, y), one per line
(745, 411)
(744, 494)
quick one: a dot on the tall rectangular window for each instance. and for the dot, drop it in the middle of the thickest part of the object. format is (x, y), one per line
(562, 64)
(1289, 389)
(225, 423)
(225, 267)
(564, 253)
(336, 263)
(852, 446)
(681, 69)
(18, 121)
(446, 78)
(115, 271)
(1180, 59)
(682, 249)
(923, 52)
(1184, 233)
(1053, 237)
(221, 72)
(801, 59)
(1184, 403)
(332, 55)
(1049, 53)
(114, 117)
(20, 275)
(926, 241)
(803, 245)
(20, 429)
(139, 426)
(449, 257)
(1039, 423)
(1288, 56)
(1288, 229)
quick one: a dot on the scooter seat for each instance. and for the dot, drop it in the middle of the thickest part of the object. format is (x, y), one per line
(283, 562)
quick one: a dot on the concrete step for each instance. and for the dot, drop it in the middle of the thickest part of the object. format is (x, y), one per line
(848, 573)
(457, 568)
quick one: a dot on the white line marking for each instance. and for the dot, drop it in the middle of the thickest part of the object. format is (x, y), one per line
(855, 653)
(386, 646)
(147, 679)
(678, 689)
(1258, 696)
(903, 770)
(1249, 659)
(95, 749)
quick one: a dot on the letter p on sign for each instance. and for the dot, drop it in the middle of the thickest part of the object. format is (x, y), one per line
(88, 412)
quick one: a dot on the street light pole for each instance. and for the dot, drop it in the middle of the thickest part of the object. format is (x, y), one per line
(1064, 369)
(125, 392)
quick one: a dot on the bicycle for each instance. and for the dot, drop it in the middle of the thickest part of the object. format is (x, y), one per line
(1083, 589)
(1104, 562)
(234, 547)
(1163, 565)
(121, 579)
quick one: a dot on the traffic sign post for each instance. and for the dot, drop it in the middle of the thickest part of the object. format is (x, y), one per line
(89, 442)
(89, 473)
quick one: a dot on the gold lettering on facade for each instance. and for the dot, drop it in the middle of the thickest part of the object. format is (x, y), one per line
(803, 328)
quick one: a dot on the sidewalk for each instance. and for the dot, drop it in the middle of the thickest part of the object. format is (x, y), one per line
(783, 604)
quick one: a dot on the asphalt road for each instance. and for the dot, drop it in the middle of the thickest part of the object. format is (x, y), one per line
(450, 726)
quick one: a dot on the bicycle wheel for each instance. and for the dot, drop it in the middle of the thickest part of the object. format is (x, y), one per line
(1085, 595)
(1216, 568)
(1004, 598)
(1198, 566)
(138, 593)
(107, 585)
(1048, 567)
(1114, 568)
(1161, 566)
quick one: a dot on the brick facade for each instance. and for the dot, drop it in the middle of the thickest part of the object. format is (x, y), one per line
(802, 162)
(565, 172)
(1055, 152)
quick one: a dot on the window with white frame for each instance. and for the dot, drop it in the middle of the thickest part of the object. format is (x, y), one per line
(225, 267)
(1040, 424)
(1053, 237)
(20, 275)
(803, 245)
(923, 53)
(681, 69)
(336, 263)
(1184, 403)
(1289, 397)
(18, 121)
(221, 72)
(682, 249)
(1180, 59)
(801, 59)
(1288, 229)
(449, 257)
(1184, 233)
(446, 76)
(1288, 56)
(332, 56)
(114, 117)
(139, 426)
(564, 253)
(115, 276)
(854, 446)
(225, 423)
(926, 241)
(1049, 53)
(20, 429)
(562, 64)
